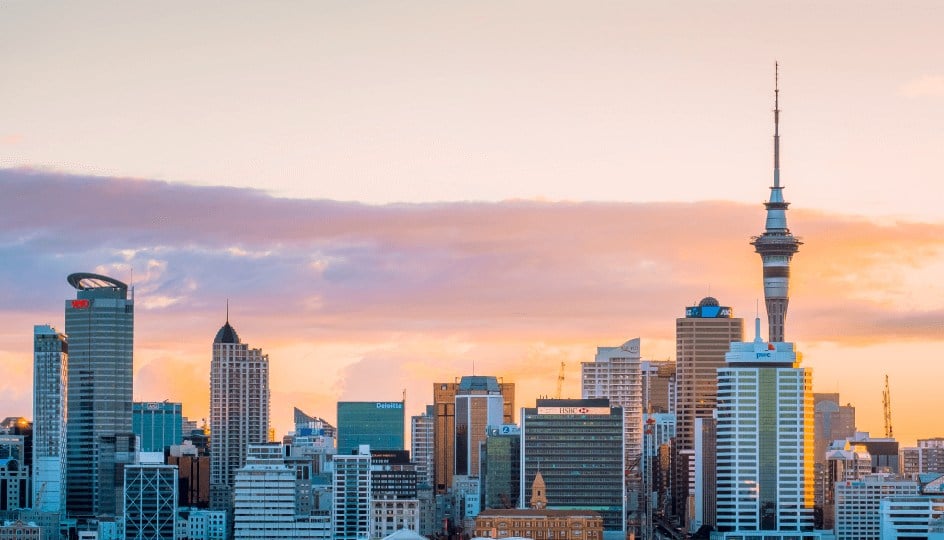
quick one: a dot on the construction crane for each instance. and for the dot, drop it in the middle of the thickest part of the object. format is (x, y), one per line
(560, 380)
(887, 408)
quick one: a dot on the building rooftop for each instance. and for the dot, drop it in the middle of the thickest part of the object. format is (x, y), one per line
(227, 334)
(482, 383)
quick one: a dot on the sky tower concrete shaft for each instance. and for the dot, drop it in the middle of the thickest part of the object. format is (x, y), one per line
(776, 245)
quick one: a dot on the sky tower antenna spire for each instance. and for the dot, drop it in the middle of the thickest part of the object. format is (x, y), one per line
(776, 124)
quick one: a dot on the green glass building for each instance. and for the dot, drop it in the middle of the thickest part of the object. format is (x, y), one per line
(379, 424)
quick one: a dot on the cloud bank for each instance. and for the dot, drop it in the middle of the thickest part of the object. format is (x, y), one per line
(358, 302)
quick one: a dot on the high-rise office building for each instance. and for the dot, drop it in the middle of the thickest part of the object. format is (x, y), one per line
(577, 445)
(421, 445)
(50, 379)
(501, 467)
(444, 431)
(265, 499)
(378, 424)
(616, 374)
(702, 339)
(239, 410)
(479, 404)
(100, 326)
(350, 513)
(764, 442)
(857, 515)
(158, 424)
(150, 502)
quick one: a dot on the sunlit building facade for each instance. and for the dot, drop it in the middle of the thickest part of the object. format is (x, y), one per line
(764, 442)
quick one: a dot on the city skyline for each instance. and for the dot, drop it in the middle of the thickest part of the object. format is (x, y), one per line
(233, 187)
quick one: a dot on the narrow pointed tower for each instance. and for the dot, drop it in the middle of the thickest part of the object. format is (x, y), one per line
(776, 245)
(538, 493)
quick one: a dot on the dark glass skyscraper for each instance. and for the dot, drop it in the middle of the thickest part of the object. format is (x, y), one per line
(100, 326)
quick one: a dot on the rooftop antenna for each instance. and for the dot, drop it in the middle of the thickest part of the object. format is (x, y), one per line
(227, 311)
(776, 124)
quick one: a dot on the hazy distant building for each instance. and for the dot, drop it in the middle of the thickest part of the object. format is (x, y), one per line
(421, 444)
(445, 428)
(884, 452)
(100, 326)
(50, 380)
(239, 410)
(158, 424)
(702, 339)
(927, 457)
(559, 438)
(764, 441)
(378, 424)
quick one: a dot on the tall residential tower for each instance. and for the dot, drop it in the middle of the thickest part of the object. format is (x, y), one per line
(239, 410)
(100, 326)
(50, 363)
(776, 245)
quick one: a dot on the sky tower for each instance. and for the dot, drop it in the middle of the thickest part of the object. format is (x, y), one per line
(776, 245)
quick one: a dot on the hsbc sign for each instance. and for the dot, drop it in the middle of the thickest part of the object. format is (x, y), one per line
(573, 410)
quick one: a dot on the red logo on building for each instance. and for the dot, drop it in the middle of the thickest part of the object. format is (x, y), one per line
(80, 304)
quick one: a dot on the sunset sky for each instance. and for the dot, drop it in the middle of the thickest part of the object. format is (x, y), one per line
(396, 193)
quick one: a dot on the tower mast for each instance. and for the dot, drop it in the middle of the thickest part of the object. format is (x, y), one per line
(776, 245)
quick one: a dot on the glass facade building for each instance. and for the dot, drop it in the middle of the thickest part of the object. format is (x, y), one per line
(158, 424)
(50, 378)
(501, 467)
(577, 444)
(379, 424)
(100, 326)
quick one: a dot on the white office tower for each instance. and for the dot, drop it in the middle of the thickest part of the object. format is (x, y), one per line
(912, 517)
(857, 504)
(421, 439)
(764, 442)
(615, 373)
(352, 491)
(150, 502)
(845, 462)
(50, 366)
(264, 503)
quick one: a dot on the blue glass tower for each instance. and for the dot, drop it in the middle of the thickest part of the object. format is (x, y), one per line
(158, 424)
(100, 326)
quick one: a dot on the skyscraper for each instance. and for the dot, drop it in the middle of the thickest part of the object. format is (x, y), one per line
(702, 339)
(577, 445)
(100, 326)
(239, 410)
(764, 441)
(421, 445)
(50, 378)
(444, 431)
(615, 374)
(776, 245)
